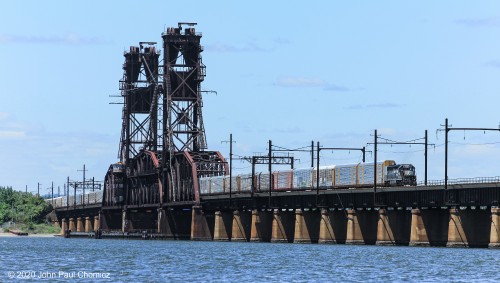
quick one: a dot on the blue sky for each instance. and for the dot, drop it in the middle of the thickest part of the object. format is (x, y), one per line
(328, 71)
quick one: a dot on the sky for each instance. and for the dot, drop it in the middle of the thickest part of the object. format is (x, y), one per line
(287, 71)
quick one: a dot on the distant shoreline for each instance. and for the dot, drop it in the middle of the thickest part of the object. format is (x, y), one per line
(3, 234)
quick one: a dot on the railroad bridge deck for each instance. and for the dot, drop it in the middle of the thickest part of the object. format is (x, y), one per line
(463, 215)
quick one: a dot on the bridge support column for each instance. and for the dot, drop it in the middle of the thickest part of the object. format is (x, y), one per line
(429, 227)
(469, 228)
(262, 223)
(222, 227)
(72, 224)
(307, 225)
(162, 222)
(385, 236)
(96, 222)
(283, 226)
(456, 234)
(56, 223)
(88, 225)
(333, 227)
(124, 221)
(495, 228)
(394, 227)
(174, 224)
(64, 226)
(361, 227)
(241, 226)
(200, 228)
(79, 225)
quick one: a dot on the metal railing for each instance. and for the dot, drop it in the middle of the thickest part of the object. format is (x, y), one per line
(65, 201)
(462, 181)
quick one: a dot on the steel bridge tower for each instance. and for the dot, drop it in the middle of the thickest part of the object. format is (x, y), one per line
(140, 90)
(183, 74)
(163, 149)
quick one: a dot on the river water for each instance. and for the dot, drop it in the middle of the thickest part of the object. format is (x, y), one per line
(32, 259)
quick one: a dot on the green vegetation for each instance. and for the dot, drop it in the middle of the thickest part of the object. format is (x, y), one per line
(22, 208)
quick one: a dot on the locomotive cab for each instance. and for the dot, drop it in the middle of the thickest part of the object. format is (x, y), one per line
(401, 175)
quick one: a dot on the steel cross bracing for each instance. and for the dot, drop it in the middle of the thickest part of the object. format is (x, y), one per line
(140, 91)
(183, 74)
(163, 145)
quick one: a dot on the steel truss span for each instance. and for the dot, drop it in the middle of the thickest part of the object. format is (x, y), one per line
(163, 149)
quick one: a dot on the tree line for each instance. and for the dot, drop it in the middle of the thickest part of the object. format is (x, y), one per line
(22, 207)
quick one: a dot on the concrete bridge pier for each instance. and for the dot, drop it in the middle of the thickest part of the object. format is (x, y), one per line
(333, 227)
(79, 225)
(362, 227)
(261, 226)
(241, 226)
(456, 234)
(56, 223)
(202, 225)
(174, 224)
(162, 222)
(223, 225)
(72, 224)
(495, 228)
(469, 228)
(97, 222)
(88, 224)
(283, 228)
(124, 221)
(429, 227)
(307, 224)
(394, 227)
(64, 226)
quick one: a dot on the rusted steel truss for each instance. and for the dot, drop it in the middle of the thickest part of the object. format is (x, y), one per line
(163, 144)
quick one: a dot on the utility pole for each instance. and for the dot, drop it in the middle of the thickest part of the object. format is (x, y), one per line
(67, 192)
(38, 190)
(446, 155)
(317, 172)
(230, 167)
(425, 143)
(83, 185)
(447, 128)
(75, 193)
(375, 168)
(312, 154)
(425, 154)
(270, 171)
(319, 148)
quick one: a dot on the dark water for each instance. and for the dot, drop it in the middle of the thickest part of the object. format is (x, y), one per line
(78, 260)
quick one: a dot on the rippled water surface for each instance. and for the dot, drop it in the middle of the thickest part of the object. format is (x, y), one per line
(88, 260)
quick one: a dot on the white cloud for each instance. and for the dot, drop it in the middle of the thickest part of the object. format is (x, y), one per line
(479, 22)
(300, 82)
(309, 82)
(476, 150)
(226, 48)
(379, 105)
(70, 38)
(332, 87)
(12, 135)
(493, 64)
(387, 132)
(4, 116)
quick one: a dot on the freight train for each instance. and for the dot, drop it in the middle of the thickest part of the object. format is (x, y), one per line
(334, 176)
